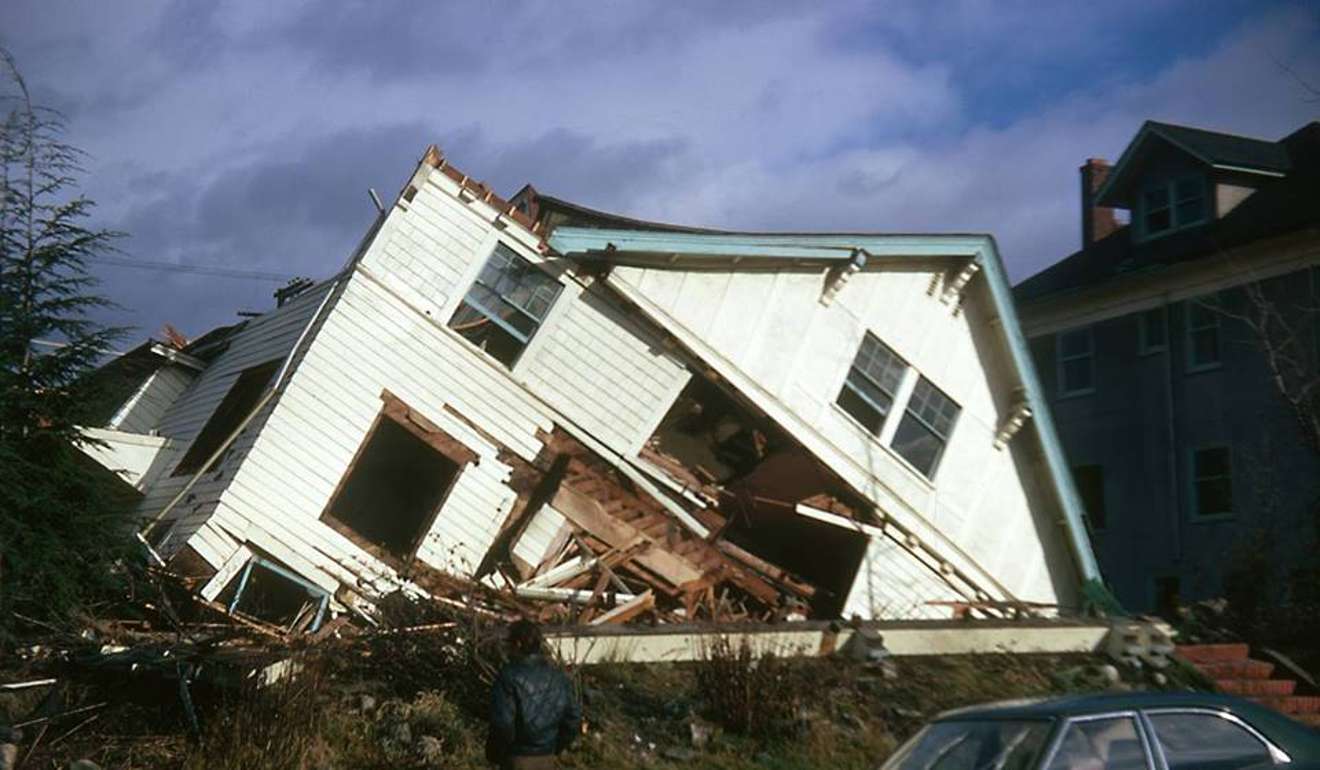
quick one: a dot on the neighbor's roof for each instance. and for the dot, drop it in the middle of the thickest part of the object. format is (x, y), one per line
(1215, 149)
(1278, 207)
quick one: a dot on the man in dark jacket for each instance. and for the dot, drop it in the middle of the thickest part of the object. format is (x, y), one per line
(534, 712)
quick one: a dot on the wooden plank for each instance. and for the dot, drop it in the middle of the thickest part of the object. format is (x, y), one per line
(587, 514)
(628, 610)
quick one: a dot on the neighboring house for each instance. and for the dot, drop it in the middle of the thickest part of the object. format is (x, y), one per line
(825, 425)
(1186, 454)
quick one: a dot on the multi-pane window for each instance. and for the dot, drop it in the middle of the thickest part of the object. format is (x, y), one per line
(1172, 204)
(506, 305)
(1153, 330)
(868, 392)
(1198, 740)
(1090, 482)
(1212, 481)
(925, 428)
(1202, 336)
(1076, 362)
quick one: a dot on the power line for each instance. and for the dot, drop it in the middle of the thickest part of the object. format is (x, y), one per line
(222, 272)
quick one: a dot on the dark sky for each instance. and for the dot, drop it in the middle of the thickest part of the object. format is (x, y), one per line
(245, 135)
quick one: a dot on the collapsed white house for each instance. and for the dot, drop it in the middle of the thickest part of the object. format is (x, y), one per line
(626, 419)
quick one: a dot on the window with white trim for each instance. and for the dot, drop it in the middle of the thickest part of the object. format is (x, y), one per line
(1212, 481)
(1172, 204)
(1203, 349)
(868, 392)
(925, 428)
(1152, 331)
(506, 305)
(1076, 353)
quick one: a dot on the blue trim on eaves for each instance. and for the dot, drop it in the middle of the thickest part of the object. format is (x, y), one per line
(594, 243)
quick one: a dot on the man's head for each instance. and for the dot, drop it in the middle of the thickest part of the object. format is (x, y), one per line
(525, 638)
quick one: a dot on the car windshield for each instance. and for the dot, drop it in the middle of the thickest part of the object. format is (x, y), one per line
(972, 745)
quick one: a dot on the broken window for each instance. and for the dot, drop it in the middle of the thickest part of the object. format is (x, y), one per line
(505, 306)
(267, 591)
(236, 406)
(395, 486)
(925, 428)
(868, 392)
(1090, 482)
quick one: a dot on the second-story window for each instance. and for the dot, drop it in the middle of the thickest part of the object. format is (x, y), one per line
(925, 428)
(1076, 362)
(506, 305)
(1202, 336)
(868, 393)
(1153, 333)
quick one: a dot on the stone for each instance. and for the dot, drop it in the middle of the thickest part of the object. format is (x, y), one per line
(700, 732)
(679, 754)
(430, 750)
(1159, 679)
(366, 704)
(8, 756)
(1110, 674)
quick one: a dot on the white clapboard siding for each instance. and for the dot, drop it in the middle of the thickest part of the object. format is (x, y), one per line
(148, 405)
(891, 584)
(541, 531)
(771, 330)
(603, 372)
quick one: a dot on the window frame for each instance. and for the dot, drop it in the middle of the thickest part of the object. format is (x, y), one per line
(946, 437)
(1277, 754)
(1189, 338)
(1060, 360)
(1194, 481)
(1144, 346)
(526, 340)
(1169, 186)
(886, 414)
(438, 439)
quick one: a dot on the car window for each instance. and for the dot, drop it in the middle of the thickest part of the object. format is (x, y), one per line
(1101, 744)
(1209, 742)
(973, 745)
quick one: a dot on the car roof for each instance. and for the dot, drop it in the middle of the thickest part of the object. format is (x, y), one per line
(1094, 703)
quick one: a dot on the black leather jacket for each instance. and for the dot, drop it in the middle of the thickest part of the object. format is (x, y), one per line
(533, 709)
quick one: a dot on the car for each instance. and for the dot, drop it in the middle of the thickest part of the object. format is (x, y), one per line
(1112, 731)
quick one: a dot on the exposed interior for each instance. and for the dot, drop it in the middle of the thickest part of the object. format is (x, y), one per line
(271, 594)
(393, 490)
(243, 395)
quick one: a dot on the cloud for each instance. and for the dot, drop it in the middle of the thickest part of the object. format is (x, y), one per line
(245, 134)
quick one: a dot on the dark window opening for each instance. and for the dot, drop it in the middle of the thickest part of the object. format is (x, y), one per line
(268, 592)
(1172, 204)
(868, 392)
(797, 543)
(236, 405)
(1090, 482)
(1168, 596)
(393, 490)
(924, 431)
(1212, 479)
(505, 306)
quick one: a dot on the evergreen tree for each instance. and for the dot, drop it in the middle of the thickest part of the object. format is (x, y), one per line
(60, 521)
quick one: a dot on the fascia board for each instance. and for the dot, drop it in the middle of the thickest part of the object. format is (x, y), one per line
(982, 248)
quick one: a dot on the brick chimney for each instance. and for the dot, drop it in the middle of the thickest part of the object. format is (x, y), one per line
(1097, 221)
